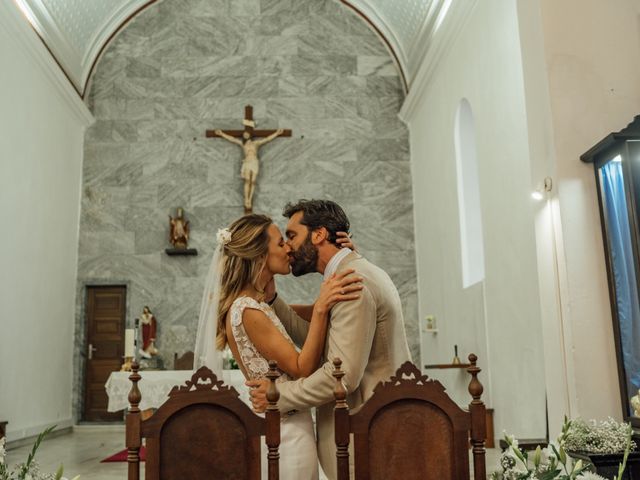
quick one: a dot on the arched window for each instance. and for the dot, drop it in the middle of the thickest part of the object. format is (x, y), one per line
(468, 197)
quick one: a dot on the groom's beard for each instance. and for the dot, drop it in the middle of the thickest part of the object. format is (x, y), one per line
(305, 258)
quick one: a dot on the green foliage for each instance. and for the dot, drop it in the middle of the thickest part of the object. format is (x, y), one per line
(553, 463)
(28, 470)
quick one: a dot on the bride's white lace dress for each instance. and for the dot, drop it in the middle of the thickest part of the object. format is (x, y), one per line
(298, 455)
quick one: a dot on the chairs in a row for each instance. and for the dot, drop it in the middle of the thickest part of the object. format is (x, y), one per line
(409, 429)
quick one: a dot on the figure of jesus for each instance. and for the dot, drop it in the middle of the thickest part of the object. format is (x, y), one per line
(251, 162)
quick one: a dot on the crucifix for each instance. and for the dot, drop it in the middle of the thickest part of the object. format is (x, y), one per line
(247, 139)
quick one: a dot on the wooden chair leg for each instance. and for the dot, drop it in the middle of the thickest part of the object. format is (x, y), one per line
(273, 423)
(478, 414)
(341, 419)
(134, 426)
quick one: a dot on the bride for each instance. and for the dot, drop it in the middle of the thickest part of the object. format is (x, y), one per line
(249, 253)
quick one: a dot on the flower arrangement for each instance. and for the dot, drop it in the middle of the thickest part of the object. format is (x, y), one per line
(553, 462)
(28, 470)
(608, 436)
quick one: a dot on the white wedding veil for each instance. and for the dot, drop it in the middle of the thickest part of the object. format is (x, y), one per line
(205, 352)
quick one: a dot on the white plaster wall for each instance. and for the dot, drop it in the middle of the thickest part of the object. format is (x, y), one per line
(40, 168)
(558, 364)
(592, 55)
(499, 318)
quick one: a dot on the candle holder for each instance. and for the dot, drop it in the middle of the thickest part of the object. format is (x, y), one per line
(456, 359)
(126, 366)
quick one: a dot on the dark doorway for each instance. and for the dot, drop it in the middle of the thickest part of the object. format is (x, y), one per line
(104, 347)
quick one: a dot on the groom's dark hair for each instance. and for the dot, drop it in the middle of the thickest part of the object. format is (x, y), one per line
(320, 213)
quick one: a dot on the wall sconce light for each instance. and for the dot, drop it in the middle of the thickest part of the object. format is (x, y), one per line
(543, 188)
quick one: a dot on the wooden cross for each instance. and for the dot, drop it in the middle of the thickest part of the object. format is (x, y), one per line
(249, 125)
(250, 140)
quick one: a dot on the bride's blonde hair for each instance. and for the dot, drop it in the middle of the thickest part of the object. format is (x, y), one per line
(244, 258)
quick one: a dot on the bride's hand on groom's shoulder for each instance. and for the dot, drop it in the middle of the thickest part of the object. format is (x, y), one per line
(340, 287)
(343, 239)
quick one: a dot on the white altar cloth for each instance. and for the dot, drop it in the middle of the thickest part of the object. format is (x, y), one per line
(155, 386)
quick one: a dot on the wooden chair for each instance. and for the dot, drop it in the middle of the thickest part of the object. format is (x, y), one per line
(410, 429)
(203, 431)
(185, 362)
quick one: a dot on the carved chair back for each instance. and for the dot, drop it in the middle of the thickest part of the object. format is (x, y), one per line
(410, 429)
(203, 431)
(185, 362)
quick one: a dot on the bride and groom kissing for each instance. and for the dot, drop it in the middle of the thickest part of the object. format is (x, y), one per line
(357, 316)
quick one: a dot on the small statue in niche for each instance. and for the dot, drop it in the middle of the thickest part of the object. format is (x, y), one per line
(179, 230)
(149, 328)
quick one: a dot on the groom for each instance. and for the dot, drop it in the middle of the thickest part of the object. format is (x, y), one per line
(367, 334)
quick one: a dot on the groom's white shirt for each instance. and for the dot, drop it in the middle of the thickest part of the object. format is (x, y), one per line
(332, 266)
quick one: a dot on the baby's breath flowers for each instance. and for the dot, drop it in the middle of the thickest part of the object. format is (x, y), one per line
(554, 463)
(608, 436)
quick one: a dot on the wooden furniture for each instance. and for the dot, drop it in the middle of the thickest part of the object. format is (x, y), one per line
(606, 464)
(105, 319)
(447, 365)
(490, 440)
(203, 431)
(410, 429)
(185, 362)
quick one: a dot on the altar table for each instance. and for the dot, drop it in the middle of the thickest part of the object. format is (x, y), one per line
(155, 386)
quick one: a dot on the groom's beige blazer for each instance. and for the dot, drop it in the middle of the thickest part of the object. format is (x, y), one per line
(369, 337)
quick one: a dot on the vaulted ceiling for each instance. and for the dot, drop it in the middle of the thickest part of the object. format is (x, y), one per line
(76, 31)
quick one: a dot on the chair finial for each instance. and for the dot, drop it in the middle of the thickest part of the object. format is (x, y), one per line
(340, 392)
(475, 387)
(134, 394)
(273, 395)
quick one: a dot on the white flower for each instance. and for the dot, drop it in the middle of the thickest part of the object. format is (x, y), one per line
(223, 236)
(590, 476)
(604, 437)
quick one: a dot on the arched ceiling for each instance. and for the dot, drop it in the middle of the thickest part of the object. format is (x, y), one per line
(76, 31)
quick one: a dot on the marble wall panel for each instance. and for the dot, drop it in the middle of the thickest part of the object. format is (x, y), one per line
(376, 65)
(100, 243)
(185, 66)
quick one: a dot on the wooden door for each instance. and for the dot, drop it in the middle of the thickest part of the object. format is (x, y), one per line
(104, 347)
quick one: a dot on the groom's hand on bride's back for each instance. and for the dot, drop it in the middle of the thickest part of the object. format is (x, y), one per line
(258, 394)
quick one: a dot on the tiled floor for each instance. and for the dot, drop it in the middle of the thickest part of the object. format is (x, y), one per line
(81, 451)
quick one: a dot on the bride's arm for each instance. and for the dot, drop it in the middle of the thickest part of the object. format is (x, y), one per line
(274, 346)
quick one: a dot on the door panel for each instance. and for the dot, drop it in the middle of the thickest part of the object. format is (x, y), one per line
(105, 315)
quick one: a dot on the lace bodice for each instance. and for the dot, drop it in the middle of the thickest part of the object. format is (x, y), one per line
(254, 363)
